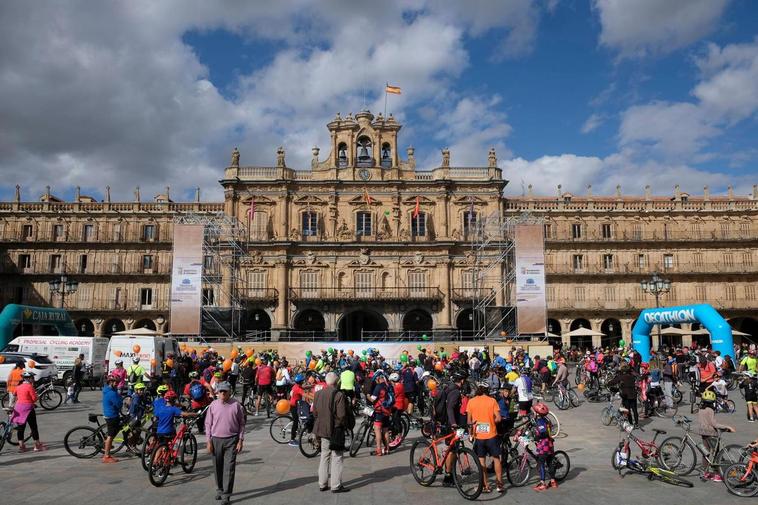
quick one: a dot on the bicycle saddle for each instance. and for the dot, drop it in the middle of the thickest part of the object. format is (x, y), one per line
(92, 417)
(660, 432)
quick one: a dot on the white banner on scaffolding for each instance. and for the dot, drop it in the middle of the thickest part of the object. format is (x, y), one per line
(187, 279)
(531, 304)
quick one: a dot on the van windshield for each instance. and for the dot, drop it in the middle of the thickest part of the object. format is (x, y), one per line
(11, 348)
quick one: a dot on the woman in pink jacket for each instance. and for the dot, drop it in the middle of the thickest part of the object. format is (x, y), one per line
(23, 412)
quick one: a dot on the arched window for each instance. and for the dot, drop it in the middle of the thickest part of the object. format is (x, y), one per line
(342, 155)
(365, 154)
(386, 155)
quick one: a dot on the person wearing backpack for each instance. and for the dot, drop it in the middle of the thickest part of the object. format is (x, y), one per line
(135, 373)
(544, 448)
(523, 387)
(383, 400)
(453, 418)
(200, 395)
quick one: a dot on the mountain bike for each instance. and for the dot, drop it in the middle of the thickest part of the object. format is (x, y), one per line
(652, 472)
(85, 442)
(181, 449)
(365, 433)
(650, 450)
(679, 454)
(519, 469)
(427, 460)
(7, 429)
(741, 478)
(49, 397)
(566, 398)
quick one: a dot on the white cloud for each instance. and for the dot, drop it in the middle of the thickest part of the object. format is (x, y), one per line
(643, 27)
(592, 123)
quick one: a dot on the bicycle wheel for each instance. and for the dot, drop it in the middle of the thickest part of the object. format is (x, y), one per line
(606, 416)
(549, 395)
(668, 477)
(740, 482)
(661, 410)
(118, 441)
(730, 407)
(423, 462)
(578, 377)
(405, 419)
(519, 470)
(268, 406)
(730, 455)
(3, 435)
(561, 465)
(4, 400)
(280, 429)
(358, 440)
(51, 399)
(574, 398)
(310, 444)
(554, 424)
(188, 452)
(562, 401)
(677, 455)
(83, 442)
(427, 429)
(249, 404)
(677, 396)
(150, 442)
(160, 465)
(467, 473)
(620, 456)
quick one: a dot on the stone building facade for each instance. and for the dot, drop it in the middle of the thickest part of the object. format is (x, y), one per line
(365, 244)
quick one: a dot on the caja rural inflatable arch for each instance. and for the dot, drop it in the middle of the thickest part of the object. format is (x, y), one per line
(721, 332)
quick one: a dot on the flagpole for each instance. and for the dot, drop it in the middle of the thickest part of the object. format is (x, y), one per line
(385, 99)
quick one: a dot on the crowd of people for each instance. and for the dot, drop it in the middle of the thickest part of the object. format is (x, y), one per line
(492, 396)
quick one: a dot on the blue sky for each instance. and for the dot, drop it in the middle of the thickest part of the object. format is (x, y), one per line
(570, 92)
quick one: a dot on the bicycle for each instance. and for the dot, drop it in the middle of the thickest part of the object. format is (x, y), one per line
(49, 397)
(281, 428)
(566, 398)
(427, 462)
(6, 432)
(365, 434)
(656, 404)
(85, 442)
(181, 449)
(653, 472)
(623, 451)
(741, 478)
(610, 413)
(679, 454)
(519, 469)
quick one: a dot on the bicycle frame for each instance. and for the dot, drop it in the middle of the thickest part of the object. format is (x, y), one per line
(649, 449)
(452, 439)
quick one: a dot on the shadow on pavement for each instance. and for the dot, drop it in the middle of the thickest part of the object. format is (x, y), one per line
(285, 485)
(376, 477)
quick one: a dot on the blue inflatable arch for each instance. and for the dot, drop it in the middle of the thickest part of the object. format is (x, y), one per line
(721, 332)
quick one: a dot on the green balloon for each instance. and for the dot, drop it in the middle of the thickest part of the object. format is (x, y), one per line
(444, 355)
(403, 358)
(621, 343)
(364, 352)
(330, 350)
(424, 337)
(418, 347)
(308, 354)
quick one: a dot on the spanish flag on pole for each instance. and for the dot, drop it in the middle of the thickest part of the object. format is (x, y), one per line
(395, 90)
(367, 196)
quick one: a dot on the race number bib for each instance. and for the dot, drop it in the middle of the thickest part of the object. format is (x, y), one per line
(483, 428)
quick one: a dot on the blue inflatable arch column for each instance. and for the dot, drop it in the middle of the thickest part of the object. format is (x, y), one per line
(721, 332)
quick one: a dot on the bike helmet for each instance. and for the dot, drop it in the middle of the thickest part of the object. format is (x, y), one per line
(540, 409)
(483, 384)
(135, 360)
(139, 386)
(113, 378)
(299, 378)
(398, 367)
(161, 389)
(394, 377)
(27, 375)
(426, 374)
(170, 396)
(458, 376)
(709, 396)
(645, 366)
(119, 362)
(218, 375)
(193, 375)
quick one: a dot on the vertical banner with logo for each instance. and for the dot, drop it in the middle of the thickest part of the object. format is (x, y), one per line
(531, 307)
(186, 279)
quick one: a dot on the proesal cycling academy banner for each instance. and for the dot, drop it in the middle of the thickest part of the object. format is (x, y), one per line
(186, 279)
(531, 306)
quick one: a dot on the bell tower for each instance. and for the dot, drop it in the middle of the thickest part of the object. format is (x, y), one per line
(363, 141)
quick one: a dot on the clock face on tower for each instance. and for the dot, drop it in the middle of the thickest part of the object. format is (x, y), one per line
(364, 174)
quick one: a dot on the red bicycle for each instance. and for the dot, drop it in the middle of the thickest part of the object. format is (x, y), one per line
(741, 478)
(165, 455)
(622, 453)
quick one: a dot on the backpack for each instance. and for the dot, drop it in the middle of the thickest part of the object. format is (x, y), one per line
(280, 374)
(655, 375)
(439, 406)
(592, 366)
(464, 405)
(541, 429)
(197, 391)
(132, 375)
(389, 399)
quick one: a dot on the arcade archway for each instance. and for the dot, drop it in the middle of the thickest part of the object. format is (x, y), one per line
(581, 341)
(353, 325)
(112, 326)
(85, 327)
(417, 322)
(612, 329)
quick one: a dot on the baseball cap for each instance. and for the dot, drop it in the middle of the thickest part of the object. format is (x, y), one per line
(223, 386)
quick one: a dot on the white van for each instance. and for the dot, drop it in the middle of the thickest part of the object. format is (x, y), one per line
(152, 345)
(63, 351)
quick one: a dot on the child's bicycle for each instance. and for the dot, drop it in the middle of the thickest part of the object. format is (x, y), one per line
(647, 468)
(741, 478)
(428, 461)
(7, 430)
(519, 468)
(182, 449)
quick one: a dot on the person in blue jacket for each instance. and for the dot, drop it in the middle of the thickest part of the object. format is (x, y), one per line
(112, 413)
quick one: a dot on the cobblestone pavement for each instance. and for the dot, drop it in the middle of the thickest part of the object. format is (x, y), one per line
(279, 474)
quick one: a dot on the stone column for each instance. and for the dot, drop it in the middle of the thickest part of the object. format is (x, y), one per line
(226, 282)
(596, 339)
(281, 319)
(445, 311)
(687, 339)
(565, 328)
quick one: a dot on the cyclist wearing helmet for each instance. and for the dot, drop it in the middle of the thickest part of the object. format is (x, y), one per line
(401, 402)
(137, 406)
(135, 373)
(200, 394)
(544, 449)
(484, 413)
(708, 429)
(112, 402)
(23, 411)
(165, 414)
(120, 372)
(160, 392)
(297, 395)
(380, 396)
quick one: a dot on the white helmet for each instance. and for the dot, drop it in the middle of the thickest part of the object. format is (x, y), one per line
(135, 360)
(394, 377)
(119, 362)
(426, 374)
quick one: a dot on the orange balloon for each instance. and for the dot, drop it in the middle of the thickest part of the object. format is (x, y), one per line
(432, 384)
(282, 407)
(2, 360)
(312, 365)
(234, 354)
(350, 352)
(439, 367)
(258, 362)
(183, 347)
(249, 353)
(32, 364)
(170, 363)
(227, 365)
(580, 386)
(136, 348)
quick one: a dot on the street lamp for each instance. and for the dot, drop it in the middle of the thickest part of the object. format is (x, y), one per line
(656, 286)
(63, 286)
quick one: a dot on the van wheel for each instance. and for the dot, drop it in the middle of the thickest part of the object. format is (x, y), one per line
(67, 378)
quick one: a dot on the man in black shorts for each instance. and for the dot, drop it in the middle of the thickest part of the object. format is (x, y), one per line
(483, 416)
(112, 413)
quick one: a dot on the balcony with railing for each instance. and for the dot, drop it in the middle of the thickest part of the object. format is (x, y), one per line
(259, 294)
(468, 294)
(436, 174)
(637, 269)
(366, 293)
(654, 236)
(114, 305)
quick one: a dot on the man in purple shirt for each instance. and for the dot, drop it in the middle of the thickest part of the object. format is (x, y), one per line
(225, 430)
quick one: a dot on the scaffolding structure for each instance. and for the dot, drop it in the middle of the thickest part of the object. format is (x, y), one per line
(493, 246)
(224, 247)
